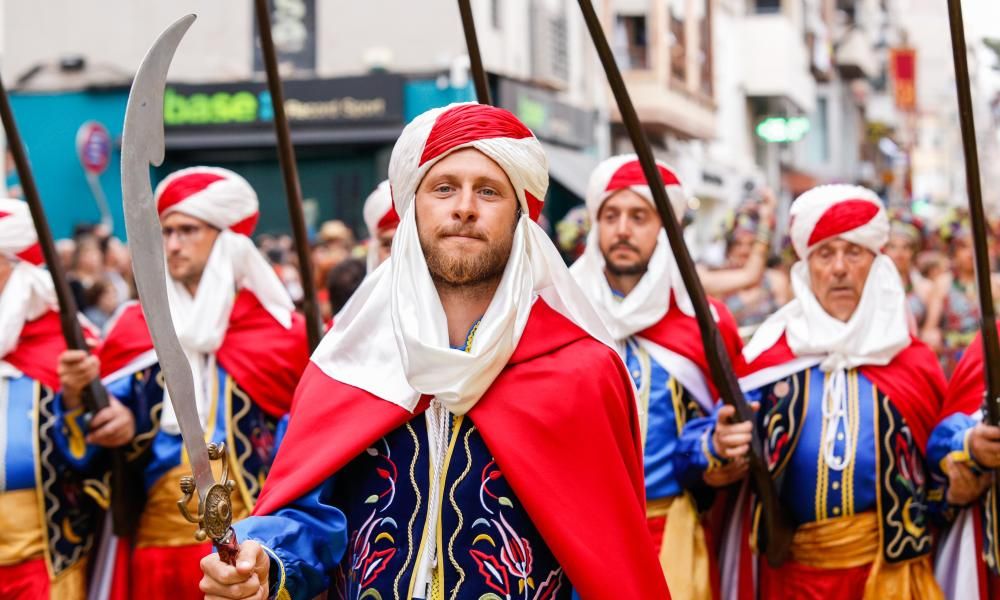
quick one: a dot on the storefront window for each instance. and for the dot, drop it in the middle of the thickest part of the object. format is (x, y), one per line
(766, 6)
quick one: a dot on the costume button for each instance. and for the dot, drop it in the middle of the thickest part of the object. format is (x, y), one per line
(636, 373)
(836, 485)
(840, 436)
(836, 510)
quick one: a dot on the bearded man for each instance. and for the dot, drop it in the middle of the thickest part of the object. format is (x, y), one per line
(465, 430)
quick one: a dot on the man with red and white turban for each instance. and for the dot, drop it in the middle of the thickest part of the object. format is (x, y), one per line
(847, 400)
(381, 220)
(629, 273)
(48, 466)
(465, 430)
(246, 347)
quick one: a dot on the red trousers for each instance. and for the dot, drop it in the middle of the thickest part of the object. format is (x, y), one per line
(25, 581)
(795, 581)
(170, 573)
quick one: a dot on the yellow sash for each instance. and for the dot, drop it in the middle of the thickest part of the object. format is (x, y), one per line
(683, 550)
(161, 524)
(854, 541)
(21, 523)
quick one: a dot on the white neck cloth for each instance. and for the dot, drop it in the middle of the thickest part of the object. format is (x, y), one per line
(201, 321)
(28, 294)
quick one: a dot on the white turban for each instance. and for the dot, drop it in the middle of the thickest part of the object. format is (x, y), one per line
(650, 300)
(850, 212)
(29, 292)
(379, 215)
(878, 329)
(227, 202)
(391, 339)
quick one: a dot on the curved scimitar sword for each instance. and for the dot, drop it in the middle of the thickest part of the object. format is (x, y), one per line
(142, 146)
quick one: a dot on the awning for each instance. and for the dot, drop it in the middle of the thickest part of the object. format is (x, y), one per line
(263, 138)
(570, 168)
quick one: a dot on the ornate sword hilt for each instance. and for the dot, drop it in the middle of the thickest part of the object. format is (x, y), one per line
(215, 512)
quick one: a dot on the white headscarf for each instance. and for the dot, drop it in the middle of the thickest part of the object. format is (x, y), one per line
(226, 201)
(649, 301)
(379, 214)
(874, 334)
(29, 292)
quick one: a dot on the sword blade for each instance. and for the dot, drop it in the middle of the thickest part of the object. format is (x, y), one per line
(142, 146)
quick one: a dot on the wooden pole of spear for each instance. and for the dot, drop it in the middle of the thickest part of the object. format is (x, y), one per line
(95, 397)
(475, 58)
(988, 327)
(290, 175)
(778, 530)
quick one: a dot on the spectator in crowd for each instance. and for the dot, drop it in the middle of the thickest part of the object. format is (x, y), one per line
(86, 268)
(923, 298)
(747, 243)
(343, 280)
(334, 243)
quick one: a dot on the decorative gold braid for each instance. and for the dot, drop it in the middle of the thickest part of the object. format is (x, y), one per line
(416, 510)
(458, 511)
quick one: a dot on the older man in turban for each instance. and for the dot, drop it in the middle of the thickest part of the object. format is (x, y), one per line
(246, 347)
(847, 401)
(466, 429)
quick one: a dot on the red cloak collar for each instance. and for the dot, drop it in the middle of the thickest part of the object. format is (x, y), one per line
(263, 357)
(560, 421)
(38, 349)
(968, 383)
(679, 333)
(913, 381)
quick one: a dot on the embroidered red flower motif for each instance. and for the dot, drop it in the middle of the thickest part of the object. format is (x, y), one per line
(375, 564)
(492, 571)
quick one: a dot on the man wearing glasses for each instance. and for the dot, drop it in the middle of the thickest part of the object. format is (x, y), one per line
(246, 347)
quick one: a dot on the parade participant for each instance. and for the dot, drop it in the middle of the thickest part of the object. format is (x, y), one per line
(629, 273)
(50, 487)
(246, 347)
(748, 241)
(465, 430)
(381, 220)
(961, 452)
(847, 401)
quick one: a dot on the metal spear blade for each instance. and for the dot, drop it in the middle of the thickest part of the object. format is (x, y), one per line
(142, 146)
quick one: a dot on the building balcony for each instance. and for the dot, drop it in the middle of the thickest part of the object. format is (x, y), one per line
(662, 108)
(855, 57)
(776, 61)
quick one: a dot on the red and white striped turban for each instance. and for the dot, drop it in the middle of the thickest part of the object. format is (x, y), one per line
(380, 215)
(850, 212)
(650, 300)
(28, 293)
(391, 339)
(625, 172)
(17, 232)
(495, 132)
(217, 196)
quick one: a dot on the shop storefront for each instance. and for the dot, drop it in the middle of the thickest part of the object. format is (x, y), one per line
(343, 130)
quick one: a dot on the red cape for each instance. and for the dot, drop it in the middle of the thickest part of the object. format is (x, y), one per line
(968, 382)
(265, 359)
(913, 381)
(679, 333)
(38, 349)
(560, 421)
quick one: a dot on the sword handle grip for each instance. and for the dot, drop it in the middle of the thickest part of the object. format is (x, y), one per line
(228, 547)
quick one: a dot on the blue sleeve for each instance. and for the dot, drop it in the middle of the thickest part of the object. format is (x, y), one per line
(130, 392)
(69, 435)
(305, 540)
(949, 439)
(695, 451)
